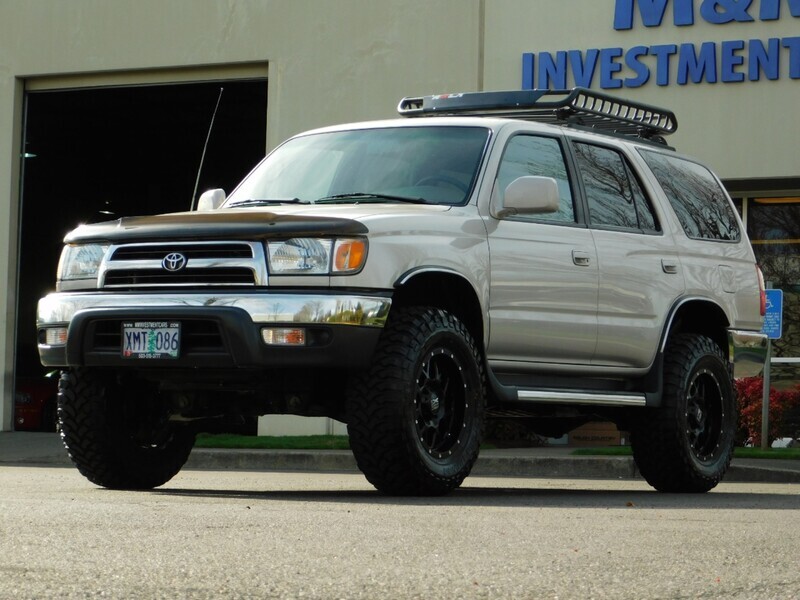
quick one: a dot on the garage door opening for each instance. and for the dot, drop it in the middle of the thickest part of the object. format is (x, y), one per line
(100, 154)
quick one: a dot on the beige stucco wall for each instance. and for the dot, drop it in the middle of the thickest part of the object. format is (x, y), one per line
(330, 61)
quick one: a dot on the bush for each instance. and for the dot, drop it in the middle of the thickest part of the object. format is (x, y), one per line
(782, 403)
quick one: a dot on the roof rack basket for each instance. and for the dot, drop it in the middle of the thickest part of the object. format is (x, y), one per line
(579, 107)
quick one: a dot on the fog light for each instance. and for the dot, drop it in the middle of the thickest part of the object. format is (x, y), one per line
(55, 336)
(284, 336)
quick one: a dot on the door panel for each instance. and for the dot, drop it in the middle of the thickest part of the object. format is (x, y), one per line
(543, 305)
(640, 279)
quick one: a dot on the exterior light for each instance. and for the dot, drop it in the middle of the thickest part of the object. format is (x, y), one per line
(284, 336)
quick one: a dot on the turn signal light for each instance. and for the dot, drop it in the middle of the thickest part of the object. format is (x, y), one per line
(349, 255)
(762, 291)
(55, 336)
(284, 336)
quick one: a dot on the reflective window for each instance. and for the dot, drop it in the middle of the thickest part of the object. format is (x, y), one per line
(432, 164)
(615, 197)
(696, 197)
(542, 157)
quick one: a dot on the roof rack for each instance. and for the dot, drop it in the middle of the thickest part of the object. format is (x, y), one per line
(578, 106)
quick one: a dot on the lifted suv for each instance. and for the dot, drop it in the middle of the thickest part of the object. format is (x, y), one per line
(535, 255)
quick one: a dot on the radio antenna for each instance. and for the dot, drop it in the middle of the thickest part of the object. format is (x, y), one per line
(205, 146)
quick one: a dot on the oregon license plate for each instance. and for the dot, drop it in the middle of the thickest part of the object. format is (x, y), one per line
(151, 339)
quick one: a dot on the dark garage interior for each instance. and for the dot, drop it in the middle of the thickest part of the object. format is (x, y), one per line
(99, 154)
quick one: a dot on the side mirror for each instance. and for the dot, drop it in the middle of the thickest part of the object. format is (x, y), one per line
(211, 199)
(530, 196)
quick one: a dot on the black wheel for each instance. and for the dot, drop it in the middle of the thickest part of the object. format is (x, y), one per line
(119, 437)
(687, 444)
(415, 417)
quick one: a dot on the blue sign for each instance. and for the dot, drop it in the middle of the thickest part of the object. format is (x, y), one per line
(773, 320)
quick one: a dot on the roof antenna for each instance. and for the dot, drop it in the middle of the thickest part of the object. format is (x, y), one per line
(205, 146)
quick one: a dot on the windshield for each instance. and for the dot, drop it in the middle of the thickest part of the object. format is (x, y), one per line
(434, 165)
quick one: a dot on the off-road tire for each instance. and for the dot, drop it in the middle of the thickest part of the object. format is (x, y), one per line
(415, 417)
(686, 445)
(111, 440)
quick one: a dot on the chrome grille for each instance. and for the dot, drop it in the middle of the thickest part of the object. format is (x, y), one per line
(213, 251)
(207, 264)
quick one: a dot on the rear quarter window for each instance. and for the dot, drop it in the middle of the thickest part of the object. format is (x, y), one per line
(700, 203)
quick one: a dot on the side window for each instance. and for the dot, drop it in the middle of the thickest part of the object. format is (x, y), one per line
(615, 197)
(542, 157)
(698, 200)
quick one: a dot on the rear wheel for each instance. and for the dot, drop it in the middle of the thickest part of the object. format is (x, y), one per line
(119, 437)
(415, 418)
(687, 444)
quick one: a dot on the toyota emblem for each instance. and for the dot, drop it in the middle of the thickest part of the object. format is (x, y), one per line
(174, 261)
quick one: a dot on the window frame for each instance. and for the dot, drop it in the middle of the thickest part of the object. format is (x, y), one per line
(579, 209)
(725, 195)
(631, 171)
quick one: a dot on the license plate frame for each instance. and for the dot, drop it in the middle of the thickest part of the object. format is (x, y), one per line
(150, 340)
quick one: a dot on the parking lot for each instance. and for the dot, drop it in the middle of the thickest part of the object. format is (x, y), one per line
(326, 535)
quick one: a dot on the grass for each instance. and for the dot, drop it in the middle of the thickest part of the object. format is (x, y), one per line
(284, 442)
(267, 442)
(780, 453)
(341, 442)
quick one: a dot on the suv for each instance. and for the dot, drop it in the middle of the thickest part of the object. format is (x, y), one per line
(537, 255)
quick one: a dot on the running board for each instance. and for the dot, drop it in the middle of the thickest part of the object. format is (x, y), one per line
(581, 397)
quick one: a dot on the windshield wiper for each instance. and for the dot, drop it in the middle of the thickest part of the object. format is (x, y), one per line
(266, 202)
(370, 196)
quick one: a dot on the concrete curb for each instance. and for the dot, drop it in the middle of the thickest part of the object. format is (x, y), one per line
(488, 465)
(31, 449)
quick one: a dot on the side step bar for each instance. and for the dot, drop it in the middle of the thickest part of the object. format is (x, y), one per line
(581, 397)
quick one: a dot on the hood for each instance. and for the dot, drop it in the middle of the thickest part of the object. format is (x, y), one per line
(244, 223)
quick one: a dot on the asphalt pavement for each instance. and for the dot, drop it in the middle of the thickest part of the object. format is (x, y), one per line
(45, 449)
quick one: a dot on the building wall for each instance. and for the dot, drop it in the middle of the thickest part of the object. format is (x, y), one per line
(743, 129)
(330, 61)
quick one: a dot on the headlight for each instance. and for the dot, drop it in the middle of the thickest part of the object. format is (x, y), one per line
(315, 256)
(80, 262)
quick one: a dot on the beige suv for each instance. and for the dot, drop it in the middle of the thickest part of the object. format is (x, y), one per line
(535, 255)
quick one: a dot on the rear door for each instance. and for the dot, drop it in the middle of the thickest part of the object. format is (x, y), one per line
(640, 272)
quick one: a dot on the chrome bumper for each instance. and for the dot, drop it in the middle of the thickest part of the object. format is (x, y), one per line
(312, 308)
(747, 352)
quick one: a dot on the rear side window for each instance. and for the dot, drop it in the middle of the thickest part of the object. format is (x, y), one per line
(696, 197)
(615, 197)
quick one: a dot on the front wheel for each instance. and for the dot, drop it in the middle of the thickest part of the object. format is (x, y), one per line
(686, 445)
(415, 417)
(117, 436)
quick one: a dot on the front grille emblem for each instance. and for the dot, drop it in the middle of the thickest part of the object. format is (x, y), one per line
(174, 261)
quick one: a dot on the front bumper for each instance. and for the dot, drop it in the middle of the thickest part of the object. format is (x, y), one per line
(747, 352)
(343, 329)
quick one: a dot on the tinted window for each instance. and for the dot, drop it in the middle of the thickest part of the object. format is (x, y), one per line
(542, 157)
(698, 200)
(609, 188)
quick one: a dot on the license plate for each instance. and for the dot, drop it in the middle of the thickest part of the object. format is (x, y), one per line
(151, 339)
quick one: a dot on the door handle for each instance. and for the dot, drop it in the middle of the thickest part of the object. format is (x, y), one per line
(581, 258)
(669, 266)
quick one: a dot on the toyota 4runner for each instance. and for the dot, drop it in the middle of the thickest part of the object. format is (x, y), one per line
(536, 255)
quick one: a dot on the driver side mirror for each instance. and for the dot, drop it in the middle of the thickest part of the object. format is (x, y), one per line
(211, 199)
(530, 195)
